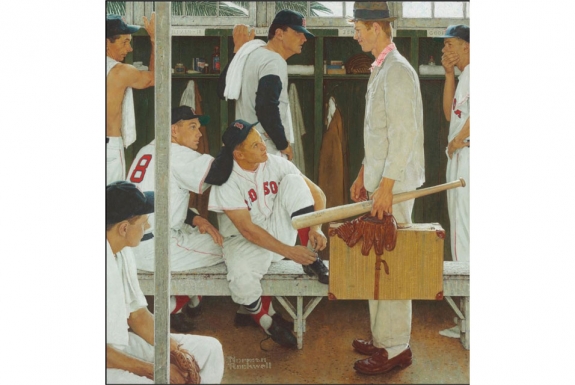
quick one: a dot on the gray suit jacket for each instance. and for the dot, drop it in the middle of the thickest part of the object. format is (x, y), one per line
(393, 126)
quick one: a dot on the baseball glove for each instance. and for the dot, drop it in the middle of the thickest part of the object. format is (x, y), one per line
(379, 234)
(187, 365)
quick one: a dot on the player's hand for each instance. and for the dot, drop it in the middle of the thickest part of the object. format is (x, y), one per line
(288, 151)
(382, 203)
(301, 255)
(357, 191)
(176, 376)
(150, 26)
(204, 226)
(317, 239)
(455, 144)
(448, 61)
(242, 35)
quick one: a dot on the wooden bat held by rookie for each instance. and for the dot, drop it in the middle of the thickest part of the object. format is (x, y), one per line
(350, 210)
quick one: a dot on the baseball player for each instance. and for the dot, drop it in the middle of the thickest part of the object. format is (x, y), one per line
(255, 207)
(130, 354)
(257, 78)
(456, 53)
(191, 247)
(120, 79)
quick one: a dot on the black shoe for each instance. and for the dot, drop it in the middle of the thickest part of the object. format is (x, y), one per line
(318, 269)
(181, 322)
(241, 320)
(193, 311)
(282, 336)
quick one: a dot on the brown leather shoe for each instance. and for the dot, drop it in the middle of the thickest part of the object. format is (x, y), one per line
(378, 363)
(364, 347)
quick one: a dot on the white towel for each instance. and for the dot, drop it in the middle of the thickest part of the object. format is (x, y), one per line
(330, 111)
(298, 128)
(128, 116)
(189, 96)
(236, 69)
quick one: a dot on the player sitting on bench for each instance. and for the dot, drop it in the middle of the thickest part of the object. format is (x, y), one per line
(255, 206)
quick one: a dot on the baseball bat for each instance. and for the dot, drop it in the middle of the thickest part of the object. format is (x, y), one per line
(346, 211)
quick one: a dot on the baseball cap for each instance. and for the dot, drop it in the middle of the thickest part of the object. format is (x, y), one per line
(294, 20)
(236, 133)
(371, 10)
(187, 113)
(460, 31)
(124, 201)
(116, 26)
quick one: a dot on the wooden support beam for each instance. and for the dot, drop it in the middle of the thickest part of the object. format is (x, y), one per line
(163, 103)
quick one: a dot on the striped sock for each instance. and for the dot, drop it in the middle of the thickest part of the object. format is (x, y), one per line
(258, 309)
(177, 302)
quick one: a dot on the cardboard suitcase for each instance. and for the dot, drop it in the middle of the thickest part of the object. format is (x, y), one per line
(413, 270)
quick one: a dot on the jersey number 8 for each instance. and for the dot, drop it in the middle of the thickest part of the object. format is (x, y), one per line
(140, 169)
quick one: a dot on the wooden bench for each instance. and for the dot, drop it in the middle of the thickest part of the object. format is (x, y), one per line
(287, 279)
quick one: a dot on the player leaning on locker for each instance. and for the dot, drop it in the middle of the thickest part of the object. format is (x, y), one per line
(257, 78)
(120, 79)
(194, 241)
(255, 207)
(130, 352)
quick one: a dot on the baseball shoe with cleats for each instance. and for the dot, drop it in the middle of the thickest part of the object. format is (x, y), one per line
(181, 322)
(282, 335)
(193, 311)
(318, 269)
(241, 320)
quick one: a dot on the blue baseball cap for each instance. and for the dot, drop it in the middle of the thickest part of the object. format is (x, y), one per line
(236, 133)
(460, 31)
(124, 201)
(294, 20)
(188, 113)
(116, 26)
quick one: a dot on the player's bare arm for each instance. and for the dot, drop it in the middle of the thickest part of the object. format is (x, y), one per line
(204, 226)
(459, 140)
(257, 235)
(119, 78)
(242, 35)
(318, 239)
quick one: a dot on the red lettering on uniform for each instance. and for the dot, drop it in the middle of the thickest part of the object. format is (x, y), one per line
(140, 169)
(274, 187)
(454, 103)
(253, 195)
(458, 113)
(266, 189)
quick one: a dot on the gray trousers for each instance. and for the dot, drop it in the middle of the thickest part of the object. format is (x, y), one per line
(391, 319)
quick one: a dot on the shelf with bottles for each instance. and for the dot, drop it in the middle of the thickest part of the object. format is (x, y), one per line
(187, 49)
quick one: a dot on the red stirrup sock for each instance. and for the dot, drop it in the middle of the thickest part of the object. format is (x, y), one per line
(180, 301)
(303, 236)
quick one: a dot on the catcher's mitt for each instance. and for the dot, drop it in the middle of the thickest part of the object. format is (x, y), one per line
(187, 364)
(379, 234)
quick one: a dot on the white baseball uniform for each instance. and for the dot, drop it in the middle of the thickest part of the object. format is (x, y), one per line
(271, 194)
(124, 296)
(458, 167)
(189, 249)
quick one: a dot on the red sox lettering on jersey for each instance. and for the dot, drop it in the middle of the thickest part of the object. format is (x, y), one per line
(456, 112)
(268, 187)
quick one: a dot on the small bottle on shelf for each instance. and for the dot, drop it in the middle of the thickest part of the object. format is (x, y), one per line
(206, 68)
(431, 61)
(216, 60)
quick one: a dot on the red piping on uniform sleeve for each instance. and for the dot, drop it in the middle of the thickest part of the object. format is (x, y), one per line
(205, 175)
